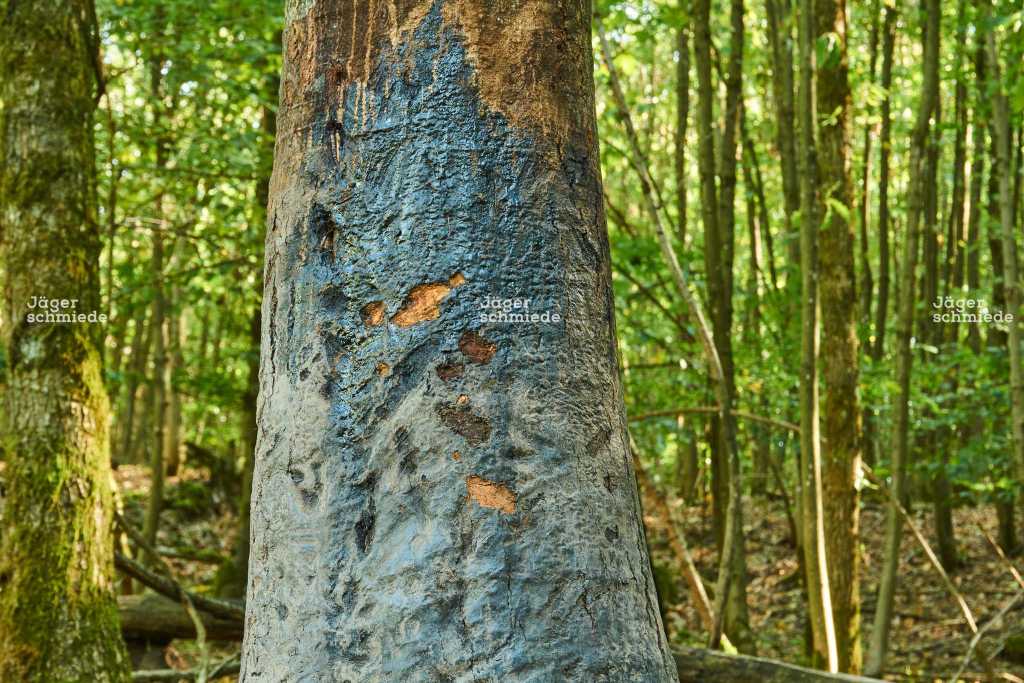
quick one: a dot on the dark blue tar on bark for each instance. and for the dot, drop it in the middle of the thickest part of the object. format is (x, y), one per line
(438, 498)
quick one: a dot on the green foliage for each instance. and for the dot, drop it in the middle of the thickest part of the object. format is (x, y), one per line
(197, 77)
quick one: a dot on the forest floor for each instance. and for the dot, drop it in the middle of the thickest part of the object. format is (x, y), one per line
(930, 635)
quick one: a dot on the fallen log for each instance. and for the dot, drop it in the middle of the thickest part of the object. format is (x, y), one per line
(712, 666)
(154, 618)
(172, 589)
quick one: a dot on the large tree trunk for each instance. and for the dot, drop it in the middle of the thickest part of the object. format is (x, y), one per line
(435, 494)
(58, 615)
(875, 659)
(841, 432)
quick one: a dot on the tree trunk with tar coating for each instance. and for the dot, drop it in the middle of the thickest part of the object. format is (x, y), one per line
(58, 615)
(437, 495)
(875, 657)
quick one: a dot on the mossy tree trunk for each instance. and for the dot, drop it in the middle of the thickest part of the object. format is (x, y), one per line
(436, 495)
(58, 615)
(841, 433)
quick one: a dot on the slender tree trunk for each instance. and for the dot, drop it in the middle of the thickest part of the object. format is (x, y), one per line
(421, 470)
(737, 618)
(690, 466)
(876, 346)
(864, 212)
(753, 324)
(173, 445)
(713, 246)
(953, 280)
(876, 654)
(161, 379)
(1003, 139)
(58, 614)
(136, 371)
(158, 397)
(885, 152)
(780, 39)
(823, 637)
(682, 123)
(842, 413)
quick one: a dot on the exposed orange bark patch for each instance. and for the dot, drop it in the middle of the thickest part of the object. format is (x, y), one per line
(476, 348)
(383, 369)
(423, 301)
(525, 57)
(373, 313)
(490, 494)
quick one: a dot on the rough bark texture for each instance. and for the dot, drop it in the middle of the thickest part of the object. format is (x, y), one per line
(58, 616)
(841, 430)
(436, 497)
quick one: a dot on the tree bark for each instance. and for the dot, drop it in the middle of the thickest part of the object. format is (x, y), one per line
(737, 618)
(436, 494)
(682, 124)
(841, 433)
(823, 639)
(159, 390)
(173, 444)
(58, 614)
(885, 152)
(780, 39)
(1003, 139)
(136, 371)
(866, 289)
(875, 659)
